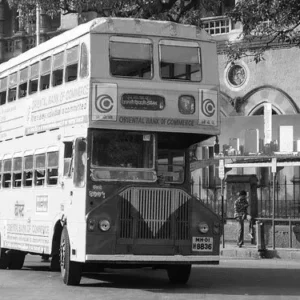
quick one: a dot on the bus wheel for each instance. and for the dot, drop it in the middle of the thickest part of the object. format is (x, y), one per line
(70, 270)
(179, 274)
(55, 263)
(4, 259)
(16, 259)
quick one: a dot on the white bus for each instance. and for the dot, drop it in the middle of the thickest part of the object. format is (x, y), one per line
(95, 130)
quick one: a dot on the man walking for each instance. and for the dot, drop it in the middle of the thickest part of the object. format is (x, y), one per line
(240, 214)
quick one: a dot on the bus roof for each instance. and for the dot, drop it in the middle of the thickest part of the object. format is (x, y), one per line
(120, 26)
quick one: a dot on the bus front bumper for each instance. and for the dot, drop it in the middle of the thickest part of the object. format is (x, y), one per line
(154, 259)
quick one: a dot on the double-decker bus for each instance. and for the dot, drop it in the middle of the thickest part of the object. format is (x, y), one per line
(96, 126)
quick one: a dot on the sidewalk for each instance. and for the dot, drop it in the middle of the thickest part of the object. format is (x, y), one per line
(249, 251)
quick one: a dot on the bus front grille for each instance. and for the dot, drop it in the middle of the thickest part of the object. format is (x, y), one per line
(154, 213)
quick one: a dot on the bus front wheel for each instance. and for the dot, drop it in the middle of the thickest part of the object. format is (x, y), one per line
(179, 274)
(4, 259)
(70, 270)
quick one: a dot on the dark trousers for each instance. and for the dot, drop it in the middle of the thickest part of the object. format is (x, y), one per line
(240, 239)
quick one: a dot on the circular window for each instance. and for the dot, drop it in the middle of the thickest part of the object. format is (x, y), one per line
(236, 75)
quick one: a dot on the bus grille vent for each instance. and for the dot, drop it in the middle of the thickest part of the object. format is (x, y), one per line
(155, 213)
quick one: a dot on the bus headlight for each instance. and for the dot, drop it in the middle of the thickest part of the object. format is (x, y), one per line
(203, 227)
(104, 225)
(217, 228)
(91, 225)
(186, 104)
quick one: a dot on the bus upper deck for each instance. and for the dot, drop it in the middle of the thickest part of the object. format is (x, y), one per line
(143, 74)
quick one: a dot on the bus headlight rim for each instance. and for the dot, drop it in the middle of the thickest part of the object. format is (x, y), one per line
(104, 225)
(203, 227)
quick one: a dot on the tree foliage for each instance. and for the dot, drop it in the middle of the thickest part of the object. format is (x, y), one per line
(180, 11)
(265, 24)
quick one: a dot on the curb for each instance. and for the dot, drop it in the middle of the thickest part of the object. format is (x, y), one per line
(253, 253)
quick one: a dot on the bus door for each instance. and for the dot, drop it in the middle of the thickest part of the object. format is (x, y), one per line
(75, 162)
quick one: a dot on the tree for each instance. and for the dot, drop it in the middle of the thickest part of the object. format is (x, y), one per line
(265, 24)
(180, 11)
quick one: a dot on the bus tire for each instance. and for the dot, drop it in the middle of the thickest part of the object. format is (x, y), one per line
(55, 263)
(4, 259)
(16, 259)
(179, 274)
(70, 270)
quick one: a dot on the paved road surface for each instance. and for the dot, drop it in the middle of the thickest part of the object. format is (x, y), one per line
(232, 279)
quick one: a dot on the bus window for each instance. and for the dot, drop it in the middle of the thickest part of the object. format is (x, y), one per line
(6, 173)
(17, 172)
(34, 78)
(3, 87)
(28, 171)
(52, 168)
(45, 73)
(84, 61)
(58, 69)
(0, 173)
(68, 158)
(170, 164)
(40, 169)
(72, 64)
(23, 82)
(12, 91)
(178, 62)
(131, 59)
(80, 163)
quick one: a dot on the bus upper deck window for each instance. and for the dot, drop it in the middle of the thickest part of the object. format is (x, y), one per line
(45, 73)
(131, 58)
(3, 87)
(23, 83)
(179, 61)
(12, 91)
(84, 61)
(72, 64)
(58, 69)
(34, 78)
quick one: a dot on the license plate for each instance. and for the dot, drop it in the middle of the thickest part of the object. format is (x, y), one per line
(202, 244)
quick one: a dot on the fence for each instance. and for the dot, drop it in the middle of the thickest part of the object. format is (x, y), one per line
(281, 230)
(287, 199)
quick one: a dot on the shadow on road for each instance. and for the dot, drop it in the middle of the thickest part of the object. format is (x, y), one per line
(240, 280)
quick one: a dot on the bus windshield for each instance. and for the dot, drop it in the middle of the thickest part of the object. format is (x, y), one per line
(131, 58)
(122, 155)
(171, 166)
(179, 62)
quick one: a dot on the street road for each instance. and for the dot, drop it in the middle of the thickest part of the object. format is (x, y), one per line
(232, 279)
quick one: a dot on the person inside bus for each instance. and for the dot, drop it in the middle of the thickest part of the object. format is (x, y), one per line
(241, 214)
